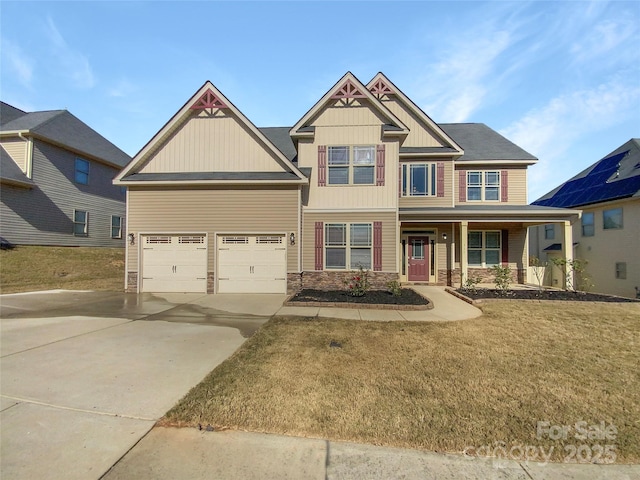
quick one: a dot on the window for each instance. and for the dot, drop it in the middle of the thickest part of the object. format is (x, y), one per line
(116, 226)
(587, 224)
(351, 165)
(621, 270)
(82, 171)
(348, 246)
(483, 186)
(80, 223)
(483, 249)
(418, 179)
(612, 219)
(549, 231)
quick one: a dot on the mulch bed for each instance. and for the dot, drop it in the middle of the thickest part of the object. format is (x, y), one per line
(482, 293)
(376, 297)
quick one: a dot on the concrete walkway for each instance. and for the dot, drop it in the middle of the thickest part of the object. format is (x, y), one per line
(446, 308)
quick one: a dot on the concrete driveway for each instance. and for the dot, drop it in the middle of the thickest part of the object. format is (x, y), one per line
(85, 375)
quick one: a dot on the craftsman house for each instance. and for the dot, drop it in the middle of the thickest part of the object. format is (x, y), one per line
(608, 235)
(56, 177)
(364, 179)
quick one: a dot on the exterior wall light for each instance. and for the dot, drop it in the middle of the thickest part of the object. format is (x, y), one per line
(444, 236)
(292, 238)
(132, 239)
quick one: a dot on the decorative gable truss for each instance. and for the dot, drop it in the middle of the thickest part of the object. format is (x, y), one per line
(208, 100)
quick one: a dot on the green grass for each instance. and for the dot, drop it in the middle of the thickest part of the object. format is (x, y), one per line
(29, 268)
(434, 386)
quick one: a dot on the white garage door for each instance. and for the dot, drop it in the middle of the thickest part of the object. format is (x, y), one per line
(174, 263)
(252, 264)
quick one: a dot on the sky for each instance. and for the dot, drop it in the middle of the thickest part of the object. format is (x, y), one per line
(559, 79)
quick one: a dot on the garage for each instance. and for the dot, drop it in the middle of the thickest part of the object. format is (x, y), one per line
(252, 264)
(174, 263)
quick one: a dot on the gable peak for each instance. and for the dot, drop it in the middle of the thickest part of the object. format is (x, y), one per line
(380, 87)
(348, 90)
(208, 100)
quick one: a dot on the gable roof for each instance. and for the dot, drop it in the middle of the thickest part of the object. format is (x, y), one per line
(10, 172)
(280, 137)
(9, 113)
(349, 85)
(208, 96)
(613, 177)
(62, 128)
(380, 83)
(481, 143)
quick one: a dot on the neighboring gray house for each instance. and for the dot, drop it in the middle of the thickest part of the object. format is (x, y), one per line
(56, 181)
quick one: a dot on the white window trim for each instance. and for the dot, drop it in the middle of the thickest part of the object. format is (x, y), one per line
(621, 270)
(604, 227)
(347, 246)
(484, 249)
(432, 179)
(75, 170)
(483, 186)
(85, 223)
(119, 226)
(592, 224)
(351, 165)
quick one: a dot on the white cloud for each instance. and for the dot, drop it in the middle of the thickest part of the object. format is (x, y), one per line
(72, 63)
(20, 64)
(121, 89)
(604, 38)
(550, 131)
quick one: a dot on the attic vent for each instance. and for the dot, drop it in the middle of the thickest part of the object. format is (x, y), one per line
(348, 90)
(208, 100)
(381, 88)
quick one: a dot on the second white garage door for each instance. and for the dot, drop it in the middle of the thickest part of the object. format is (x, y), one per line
(252, 264)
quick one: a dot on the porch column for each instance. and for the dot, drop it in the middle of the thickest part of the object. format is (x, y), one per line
(464, 237)
(567, 252)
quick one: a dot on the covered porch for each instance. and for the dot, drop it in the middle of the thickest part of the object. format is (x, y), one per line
(447, 246)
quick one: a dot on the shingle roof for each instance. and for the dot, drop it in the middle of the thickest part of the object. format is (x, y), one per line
(9, 113)
(480, 142)
(613, 177)
(63, 128)
(10, 171)
(279, 136)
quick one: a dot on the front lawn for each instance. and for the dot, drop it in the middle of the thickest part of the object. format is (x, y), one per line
(30, 268)
(436, 386)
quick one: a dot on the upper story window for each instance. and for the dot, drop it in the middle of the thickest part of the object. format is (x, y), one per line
(483, 186)
(549, 231)
(587, 224)
(612, 219)
(348, 246)
(353, 165)
(82, 171)
(418, 179)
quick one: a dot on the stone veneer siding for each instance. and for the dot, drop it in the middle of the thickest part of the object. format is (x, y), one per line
(487, 276)
(336, 280)
(132, 282)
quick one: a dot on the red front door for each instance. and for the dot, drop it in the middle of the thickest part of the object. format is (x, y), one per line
(418, 259)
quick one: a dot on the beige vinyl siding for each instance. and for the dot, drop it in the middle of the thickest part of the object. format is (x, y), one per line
(360, 112)
(432, 201)
(220, 143)
(356, 196)
(17, 150)
(389, 222)
(606, 247)
(517, 181)
(249, 210)
(420, 135)
(43, 215)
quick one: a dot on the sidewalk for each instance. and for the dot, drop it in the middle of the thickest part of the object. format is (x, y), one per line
(176, 453)
(446, 308)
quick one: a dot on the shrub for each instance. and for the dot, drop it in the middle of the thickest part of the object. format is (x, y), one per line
(358, 285)
(471, 284)
(394, 288)
(502, 278)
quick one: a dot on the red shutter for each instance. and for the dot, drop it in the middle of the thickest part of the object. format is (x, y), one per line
(319, 245)
(440, 179)
(380, 165)
(462, 186)
(504, 189)
(505, 247)
(322, 165)
(377, 246)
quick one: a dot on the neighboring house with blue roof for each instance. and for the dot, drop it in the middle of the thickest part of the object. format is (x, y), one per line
(608, 235)
(56, 181)
(364, 179)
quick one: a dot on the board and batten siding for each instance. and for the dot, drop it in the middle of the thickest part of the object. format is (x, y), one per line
(43, 215)
(517, 184)
(419, 134)
(250, 210)
(431, 201)
(220, 143)
(17, 150)
(389, 224)
(360, 112)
